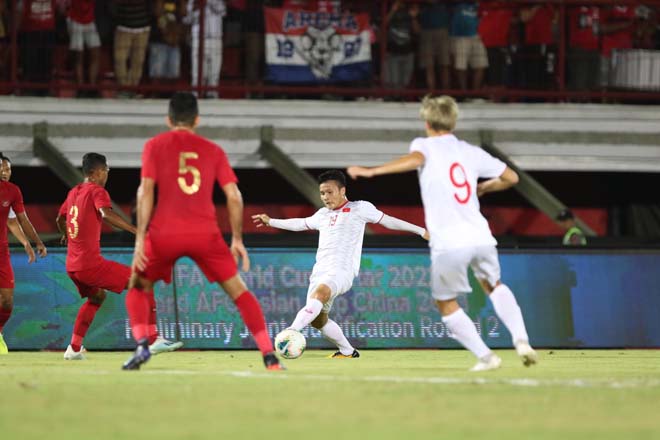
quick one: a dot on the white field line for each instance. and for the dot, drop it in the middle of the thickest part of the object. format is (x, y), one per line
(430, 380)
(520, 382)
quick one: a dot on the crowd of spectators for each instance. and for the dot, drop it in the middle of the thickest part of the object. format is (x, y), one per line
(428, 44)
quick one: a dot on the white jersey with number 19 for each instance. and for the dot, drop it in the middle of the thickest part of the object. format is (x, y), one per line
(448, 182)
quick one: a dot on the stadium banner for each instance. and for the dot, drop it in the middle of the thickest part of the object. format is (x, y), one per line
(306, 47)
(569, 299)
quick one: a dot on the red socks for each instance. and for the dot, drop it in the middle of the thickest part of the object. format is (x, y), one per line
(83, 321)
(253, 317)
(139, 309)
(4, 317)
(153, 327)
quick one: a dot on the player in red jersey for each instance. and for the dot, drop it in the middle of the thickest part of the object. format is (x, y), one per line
(185, 166)
(79, 220)
(11, 199)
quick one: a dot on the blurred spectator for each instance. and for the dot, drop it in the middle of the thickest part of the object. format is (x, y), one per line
(167, 34)
(466, 46)
(617, 33)
(82, 32)
(401, 24)
(536, 59)
(574, 235)
(434, 43)
(36, 39)
(583, 60)
(133, 20)
(494, 30)
(314, 5)
(4, 41)
(299, 4)
(254, 29)
(214, 11)
(647, 32)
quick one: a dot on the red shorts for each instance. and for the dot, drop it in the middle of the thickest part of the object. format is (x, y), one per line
(6, 271)
(108, 275)
(209, 251)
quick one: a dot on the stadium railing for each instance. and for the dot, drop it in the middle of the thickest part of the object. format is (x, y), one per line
(629, 74)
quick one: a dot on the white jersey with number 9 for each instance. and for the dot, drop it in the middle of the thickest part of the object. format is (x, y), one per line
(448, 182)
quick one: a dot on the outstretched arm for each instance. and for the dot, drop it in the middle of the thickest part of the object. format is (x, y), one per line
(16, 229)
(235, 209)
(113, 219)
(31, 233)
(290, 224)
(401, 225)
(506, 180)
(402, 164)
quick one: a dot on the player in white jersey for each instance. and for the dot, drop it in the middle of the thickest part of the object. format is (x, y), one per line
(460, 237)
(341, 228)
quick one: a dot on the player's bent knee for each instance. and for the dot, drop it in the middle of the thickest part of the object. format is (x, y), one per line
(234, 286)
(6, 299)
(139, 282)
(487, 287)
(447, 307)
(320, 321)
(98, 297)
(323, 293)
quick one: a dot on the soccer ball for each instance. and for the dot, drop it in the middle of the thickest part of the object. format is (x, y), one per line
(290, 344)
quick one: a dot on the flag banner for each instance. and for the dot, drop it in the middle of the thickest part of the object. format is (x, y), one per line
(306, 47)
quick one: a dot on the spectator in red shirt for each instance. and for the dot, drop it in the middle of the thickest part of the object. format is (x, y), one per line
(535, 61)
(83, 33)
(583, 61)
(494, 29)
(36, 39)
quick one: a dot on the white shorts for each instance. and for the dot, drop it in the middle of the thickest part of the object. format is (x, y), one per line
(449, 270)
(81, 35)
(338, 284)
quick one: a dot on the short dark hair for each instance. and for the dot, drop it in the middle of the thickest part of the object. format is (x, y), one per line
(183, 109)
(335, 175)
(3, 157)
(565, 214)
(92, 161)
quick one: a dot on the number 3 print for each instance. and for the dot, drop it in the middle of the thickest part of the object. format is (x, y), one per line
(460, 183)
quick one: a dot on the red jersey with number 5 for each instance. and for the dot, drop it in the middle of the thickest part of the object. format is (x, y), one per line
(83, 225)
(448, 182)
(185, 167)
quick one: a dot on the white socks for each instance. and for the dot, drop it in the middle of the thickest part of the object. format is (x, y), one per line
(508, 311)
(465, 332)
(307, 314)
(332, 332)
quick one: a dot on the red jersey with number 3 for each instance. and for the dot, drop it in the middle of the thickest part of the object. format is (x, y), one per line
(83, 225)
(185, 167)
(10, 197)
(448, 182)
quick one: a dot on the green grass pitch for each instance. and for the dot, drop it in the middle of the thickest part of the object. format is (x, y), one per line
(388, 394)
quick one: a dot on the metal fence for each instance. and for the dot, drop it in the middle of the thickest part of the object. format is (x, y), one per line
(558, 50)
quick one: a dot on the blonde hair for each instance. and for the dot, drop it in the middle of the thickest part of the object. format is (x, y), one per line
(440, 112)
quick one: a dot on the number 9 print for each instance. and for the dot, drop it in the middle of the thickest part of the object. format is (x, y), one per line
(464, 185)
